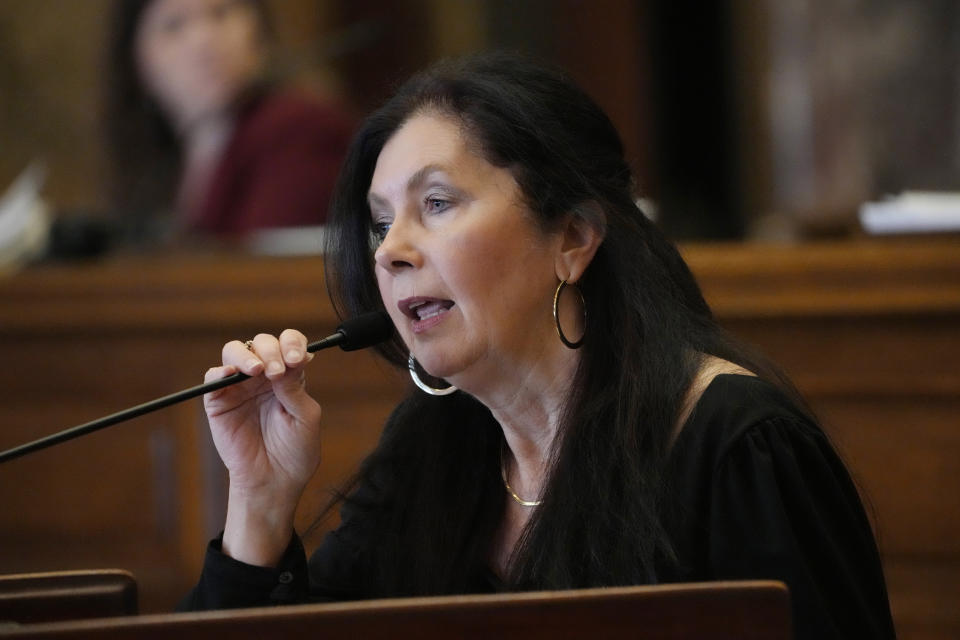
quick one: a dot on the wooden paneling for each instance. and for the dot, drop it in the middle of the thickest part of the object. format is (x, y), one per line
(145, 495)
(867, 329)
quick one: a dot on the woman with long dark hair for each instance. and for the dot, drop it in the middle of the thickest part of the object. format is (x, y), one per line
(203, 137)
(579, 420)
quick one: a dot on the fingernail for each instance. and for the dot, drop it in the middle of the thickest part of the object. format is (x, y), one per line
(252, 364)
(294, 356)
(275, 367)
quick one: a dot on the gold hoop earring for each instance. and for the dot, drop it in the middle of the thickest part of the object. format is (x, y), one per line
(423, 386)
(556, 315)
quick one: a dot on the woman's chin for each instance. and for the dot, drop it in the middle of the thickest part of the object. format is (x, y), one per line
(438, 371)
(442, 368)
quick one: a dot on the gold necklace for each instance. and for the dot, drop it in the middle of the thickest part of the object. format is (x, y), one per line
(513, 494)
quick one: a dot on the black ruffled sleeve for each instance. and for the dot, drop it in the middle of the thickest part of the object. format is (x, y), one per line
(784, 507)
(230, 584)
(334, 573)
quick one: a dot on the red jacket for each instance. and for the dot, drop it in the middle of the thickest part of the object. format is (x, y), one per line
(279, 167)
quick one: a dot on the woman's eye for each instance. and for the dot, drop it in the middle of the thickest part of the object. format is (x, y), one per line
(436, 205)
(380, 230)
(171, 25)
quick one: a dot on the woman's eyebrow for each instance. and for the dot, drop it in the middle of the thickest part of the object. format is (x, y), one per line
(377, 202)
(417, 179)
(415, 182)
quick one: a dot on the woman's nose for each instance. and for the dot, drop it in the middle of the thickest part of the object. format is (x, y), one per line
(398, 250)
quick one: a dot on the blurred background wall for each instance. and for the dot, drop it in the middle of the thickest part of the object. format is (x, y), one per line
(767, 119)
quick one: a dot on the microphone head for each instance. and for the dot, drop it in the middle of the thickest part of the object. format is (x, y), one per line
(365, 330)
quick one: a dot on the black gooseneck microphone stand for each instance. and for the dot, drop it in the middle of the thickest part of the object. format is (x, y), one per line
(358, 333)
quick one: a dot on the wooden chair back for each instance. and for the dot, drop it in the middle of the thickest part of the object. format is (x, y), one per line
(67, 595)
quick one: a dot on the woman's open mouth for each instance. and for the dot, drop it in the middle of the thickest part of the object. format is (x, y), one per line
(425, 312)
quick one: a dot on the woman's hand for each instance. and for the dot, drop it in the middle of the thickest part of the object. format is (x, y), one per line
(267, 432)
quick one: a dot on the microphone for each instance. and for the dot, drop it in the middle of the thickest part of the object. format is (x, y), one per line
(357, 333)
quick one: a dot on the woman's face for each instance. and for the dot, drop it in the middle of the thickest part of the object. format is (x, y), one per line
(464, 271)
(196, 56)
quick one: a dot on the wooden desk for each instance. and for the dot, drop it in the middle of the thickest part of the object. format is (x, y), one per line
(867, 329)
(755, 610)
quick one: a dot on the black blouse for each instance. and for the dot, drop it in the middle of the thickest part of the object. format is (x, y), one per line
(759, 493)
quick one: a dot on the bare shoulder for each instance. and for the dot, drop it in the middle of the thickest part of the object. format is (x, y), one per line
(710, 368)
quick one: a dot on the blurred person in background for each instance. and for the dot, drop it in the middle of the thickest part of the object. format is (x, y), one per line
(202, 137)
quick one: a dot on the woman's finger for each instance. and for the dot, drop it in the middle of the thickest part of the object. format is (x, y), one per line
(293, 347)
(213, 401)
(290, 389)
(218, 373)
(236, 354)
(267, 348)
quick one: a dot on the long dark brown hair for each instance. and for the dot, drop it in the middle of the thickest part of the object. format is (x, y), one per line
(433, 487)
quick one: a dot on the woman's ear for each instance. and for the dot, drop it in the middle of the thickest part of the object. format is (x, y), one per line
(582, 233)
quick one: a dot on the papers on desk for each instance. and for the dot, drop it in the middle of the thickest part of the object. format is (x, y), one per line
(286, 241)
(24, 219)
(912, 212)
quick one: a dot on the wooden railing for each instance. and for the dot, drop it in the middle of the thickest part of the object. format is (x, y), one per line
(757, 610)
